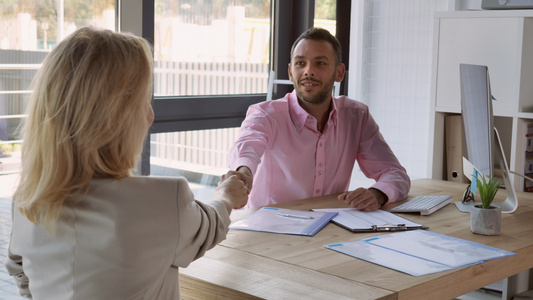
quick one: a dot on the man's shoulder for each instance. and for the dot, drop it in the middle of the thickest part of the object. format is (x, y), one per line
(345, 102)
(271, 106)
(273, 103)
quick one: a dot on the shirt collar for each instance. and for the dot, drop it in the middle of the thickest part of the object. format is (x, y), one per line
(299, 115)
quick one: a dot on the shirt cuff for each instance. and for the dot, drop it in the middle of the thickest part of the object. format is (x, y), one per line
(387, 190)
(382, 197)
(243, 162)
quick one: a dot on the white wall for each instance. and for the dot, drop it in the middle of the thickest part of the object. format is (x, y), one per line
(390, 70)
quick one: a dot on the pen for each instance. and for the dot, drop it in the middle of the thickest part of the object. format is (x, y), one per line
(294, 216)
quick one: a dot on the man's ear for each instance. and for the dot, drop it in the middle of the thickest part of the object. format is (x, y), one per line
(290, 72)
(341, 70)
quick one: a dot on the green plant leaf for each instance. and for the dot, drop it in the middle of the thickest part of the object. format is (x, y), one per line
(487, 190)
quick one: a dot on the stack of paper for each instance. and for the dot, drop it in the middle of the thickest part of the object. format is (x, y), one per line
(286, 221)
(419, 252)
(379, 220)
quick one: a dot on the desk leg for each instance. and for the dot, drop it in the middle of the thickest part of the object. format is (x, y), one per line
(509, 287)
(516, 284)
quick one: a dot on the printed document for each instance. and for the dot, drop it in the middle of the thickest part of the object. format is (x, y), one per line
(419, 252)
(378, 220)
(285, 221)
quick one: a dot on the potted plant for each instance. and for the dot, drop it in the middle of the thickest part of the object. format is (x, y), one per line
(486, 218)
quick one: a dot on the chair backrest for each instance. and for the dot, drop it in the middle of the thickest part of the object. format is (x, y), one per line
(272, 81)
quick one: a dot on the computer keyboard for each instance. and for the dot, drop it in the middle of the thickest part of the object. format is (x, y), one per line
(425, 205)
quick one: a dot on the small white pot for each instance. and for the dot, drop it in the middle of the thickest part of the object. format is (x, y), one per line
(486, 221)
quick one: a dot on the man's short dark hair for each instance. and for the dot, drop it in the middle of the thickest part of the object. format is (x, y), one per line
(320, 34)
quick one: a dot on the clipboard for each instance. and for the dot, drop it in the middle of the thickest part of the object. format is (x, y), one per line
(373, 221)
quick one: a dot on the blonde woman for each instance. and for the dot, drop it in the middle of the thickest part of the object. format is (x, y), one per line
(83, 226)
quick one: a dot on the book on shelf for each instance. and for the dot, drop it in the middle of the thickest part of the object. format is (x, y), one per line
(455, 148)
(528, 157)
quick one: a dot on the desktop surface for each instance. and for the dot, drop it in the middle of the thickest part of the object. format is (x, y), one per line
(258, 265)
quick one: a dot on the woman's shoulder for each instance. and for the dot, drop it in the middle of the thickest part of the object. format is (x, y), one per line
(139, 185)
(139, 180)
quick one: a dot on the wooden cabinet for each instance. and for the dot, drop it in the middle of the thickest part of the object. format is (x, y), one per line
(503, 41)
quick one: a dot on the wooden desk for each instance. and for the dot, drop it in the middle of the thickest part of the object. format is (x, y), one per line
(258, 265)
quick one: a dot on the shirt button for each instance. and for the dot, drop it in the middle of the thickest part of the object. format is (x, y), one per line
(320, 164)
(319, 172)
(317, 191)
(320, 145)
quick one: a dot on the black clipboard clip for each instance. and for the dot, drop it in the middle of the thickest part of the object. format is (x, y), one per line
(389, 227)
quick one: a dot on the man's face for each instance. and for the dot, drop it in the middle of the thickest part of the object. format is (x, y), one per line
(313, 71)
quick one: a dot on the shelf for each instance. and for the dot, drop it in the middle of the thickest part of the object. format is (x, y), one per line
(502, 41)
(470, 14)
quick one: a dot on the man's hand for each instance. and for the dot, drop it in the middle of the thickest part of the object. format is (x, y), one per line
(244, 174)
(364, 199)
(232, 192)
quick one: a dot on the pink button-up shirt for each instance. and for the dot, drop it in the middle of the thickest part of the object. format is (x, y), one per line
(290, 159)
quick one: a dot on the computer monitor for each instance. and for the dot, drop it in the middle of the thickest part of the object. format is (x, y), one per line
(483, 142)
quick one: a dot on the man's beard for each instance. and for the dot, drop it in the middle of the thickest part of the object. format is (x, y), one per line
(321, 96)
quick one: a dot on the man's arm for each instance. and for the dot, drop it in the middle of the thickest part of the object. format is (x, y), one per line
(377, 161)
(245, 154)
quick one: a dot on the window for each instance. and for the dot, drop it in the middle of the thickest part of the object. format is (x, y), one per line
(208, 56)
(211, 47)
(212, 60)
(29, 30)
(325, 15)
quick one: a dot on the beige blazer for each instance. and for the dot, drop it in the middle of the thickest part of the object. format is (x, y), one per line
(123, 240)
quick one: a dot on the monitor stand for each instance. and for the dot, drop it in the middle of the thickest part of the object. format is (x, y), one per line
(511, 202)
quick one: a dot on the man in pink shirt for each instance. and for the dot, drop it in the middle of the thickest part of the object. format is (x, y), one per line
(306, 144)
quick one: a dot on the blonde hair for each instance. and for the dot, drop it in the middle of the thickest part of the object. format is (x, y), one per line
(87, 118)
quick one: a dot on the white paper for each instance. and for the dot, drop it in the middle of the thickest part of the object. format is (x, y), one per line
(270, 219)
(383, 257)
(355, 219)
(438, 248)
(419, 252)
